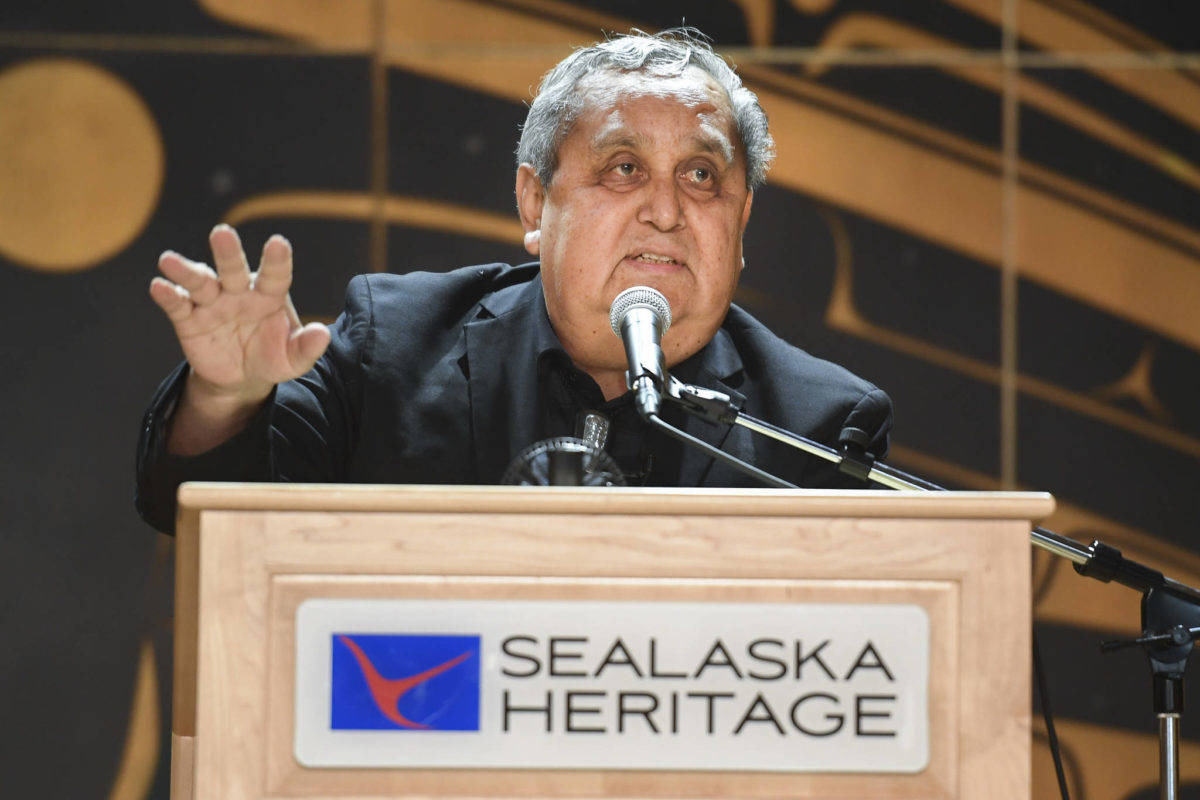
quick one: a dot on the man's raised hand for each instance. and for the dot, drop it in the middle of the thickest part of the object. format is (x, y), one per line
(239, 332)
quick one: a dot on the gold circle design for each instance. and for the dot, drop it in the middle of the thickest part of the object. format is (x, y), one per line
(82, 164)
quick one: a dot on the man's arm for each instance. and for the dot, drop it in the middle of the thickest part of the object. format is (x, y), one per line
(242, 337)
(239, 332)
(872, 414)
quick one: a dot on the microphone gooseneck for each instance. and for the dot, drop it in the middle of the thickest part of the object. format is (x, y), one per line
(640, 316)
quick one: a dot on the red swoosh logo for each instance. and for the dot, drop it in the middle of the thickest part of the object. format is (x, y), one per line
(386, 692)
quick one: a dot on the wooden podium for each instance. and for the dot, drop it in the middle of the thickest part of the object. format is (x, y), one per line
(248, 556)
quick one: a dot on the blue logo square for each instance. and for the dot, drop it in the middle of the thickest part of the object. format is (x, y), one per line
(402, 682)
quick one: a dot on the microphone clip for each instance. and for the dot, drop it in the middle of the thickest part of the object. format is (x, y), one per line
(707, 404)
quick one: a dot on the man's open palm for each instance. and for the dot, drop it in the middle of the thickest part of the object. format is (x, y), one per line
(239, 331)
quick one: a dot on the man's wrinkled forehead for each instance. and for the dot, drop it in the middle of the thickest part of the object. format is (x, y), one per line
(603, 93)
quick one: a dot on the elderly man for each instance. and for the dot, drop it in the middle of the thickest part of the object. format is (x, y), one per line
(637, 166)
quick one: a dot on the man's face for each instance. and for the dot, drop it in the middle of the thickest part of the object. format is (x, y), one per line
(650, 190)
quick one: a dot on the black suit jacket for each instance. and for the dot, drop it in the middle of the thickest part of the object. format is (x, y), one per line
(431, 378)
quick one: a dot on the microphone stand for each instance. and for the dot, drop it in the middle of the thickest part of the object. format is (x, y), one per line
(1170, 609)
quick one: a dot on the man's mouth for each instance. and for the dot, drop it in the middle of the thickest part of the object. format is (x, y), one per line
(655, 258)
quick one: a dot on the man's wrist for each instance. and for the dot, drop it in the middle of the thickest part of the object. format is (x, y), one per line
(208, 416)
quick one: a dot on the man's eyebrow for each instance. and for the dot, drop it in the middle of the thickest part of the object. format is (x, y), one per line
(717, 145)
(617, 138)
(712, 139)
(624, 138)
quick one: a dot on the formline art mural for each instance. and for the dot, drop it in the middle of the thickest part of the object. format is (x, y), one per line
(990, 208)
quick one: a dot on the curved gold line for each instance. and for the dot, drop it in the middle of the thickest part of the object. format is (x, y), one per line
(842, 314)
(347, 29)
(1033, 176)
(1051, 29)
(1065, 246)
(1101, 20)
(414, 212)
(563, 9)
(139, 758)
(873, 29)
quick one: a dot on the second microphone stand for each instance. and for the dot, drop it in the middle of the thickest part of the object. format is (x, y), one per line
(1170, 609)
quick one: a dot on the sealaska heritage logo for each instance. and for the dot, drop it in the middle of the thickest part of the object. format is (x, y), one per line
(405, 682)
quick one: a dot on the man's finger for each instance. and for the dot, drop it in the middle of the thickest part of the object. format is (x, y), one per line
(171, 299)
(199, 279)
(230, 259)
(306, 345)
(275, 270)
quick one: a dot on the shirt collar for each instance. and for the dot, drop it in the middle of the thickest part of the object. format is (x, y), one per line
(716, 361)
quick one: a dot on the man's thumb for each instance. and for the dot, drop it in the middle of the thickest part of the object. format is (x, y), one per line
(306, 345)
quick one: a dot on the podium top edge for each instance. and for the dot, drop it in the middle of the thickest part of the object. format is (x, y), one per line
(195, 497)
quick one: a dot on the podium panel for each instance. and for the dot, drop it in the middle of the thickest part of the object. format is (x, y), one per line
(687, 643)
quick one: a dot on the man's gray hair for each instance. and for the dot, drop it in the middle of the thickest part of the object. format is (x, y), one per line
(558, 103)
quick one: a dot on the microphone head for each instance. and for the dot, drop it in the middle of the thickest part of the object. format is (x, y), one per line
(639, 296)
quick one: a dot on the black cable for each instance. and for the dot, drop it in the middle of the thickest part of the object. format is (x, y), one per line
(1048, 716)
(719, 454)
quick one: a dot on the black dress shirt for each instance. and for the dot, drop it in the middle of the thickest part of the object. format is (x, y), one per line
(445, 377)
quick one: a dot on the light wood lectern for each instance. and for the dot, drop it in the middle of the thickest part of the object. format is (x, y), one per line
(248, 556)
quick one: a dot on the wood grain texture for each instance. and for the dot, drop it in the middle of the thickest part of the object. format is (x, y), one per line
(633, 500)
(254, 565)
(230, 671)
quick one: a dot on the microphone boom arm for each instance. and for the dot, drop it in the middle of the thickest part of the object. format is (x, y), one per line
(1098, 560)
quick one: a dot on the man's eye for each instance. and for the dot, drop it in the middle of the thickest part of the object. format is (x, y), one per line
(700, 175)
(625, 169)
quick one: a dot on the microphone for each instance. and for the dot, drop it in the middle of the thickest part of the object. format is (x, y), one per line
(640, 316)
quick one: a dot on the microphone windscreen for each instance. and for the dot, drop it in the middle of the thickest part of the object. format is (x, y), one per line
(634, 297)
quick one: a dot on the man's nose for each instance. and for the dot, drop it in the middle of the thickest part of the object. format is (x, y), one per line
(662, 204)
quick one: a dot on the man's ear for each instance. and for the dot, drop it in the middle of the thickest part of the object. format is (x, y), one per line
(745, 221)
(531, 197)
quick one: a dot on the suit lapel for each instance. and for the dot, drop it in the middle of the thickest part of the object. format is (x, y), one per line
(502, 354)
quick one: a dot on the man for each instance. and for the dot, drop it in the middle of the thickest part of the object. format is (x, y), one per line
(637, 166)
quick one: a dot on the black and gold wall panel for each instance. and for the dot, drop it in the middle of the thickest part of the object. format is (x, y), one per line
(988, 207)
